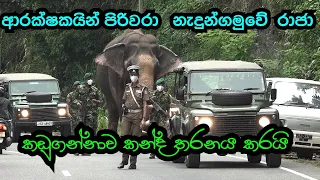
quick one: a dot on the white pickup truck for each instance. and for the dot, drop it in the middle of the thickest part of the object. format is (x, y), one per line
(298, 103)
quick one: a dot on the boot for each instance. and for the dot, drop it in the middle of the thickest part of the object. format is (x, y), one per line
(132, 166)
(152, 156)
(121, 165)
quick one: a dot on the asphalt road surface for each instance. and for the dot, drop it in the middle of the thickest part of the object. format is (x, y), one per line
(16, 166)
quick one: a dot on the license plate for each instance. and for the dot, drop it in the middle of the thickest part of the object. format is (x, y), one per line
(2, 134)
(45, 123)
(56, 134)
(303, 137)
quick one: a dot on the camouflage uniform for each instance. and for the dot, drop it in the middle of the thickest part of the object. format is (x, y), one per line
(130, 124)
(163, 99)
(89, 114)
(73, 102)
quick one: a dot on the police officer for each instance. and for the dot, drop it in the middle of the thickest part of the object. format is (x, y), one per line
(135, 111)
(162, 98)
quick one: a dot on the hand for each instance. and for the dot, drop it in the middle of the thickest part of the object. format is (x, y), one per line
(143, 123)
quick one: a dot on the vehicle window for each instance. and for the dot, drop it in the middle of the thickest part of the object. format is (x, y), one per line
(298, 94)
(21, 87)
(203, 82)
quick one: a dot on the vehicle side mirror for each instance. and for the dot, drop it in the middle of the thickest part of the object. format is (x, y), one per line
(180, 94)
(273, 94)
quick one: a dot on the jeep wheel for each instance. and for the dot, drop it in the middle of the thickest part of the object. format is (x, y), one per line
(231, 98)
(0, 151)
(305, 155)
(180, 160)
(273, 160)
(254, 159)
(66, 130)
(193, 161)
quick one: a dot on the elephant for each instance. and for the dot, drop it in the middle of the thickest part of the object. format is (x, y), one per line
(133, 47)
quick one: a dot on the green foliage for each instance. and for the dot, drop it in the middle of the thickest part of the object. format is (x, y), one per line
(218, 44)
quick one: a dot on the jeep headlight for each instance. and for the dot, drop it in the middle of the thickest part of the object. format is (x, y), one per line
(62, 111)
(174, 111)
(204, 120)
(24, 113)
(264, 121)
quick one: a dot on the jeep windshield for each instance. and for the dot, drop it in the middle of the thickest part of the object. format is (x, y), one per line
(20, 88)
(205, 82)
(297, 94)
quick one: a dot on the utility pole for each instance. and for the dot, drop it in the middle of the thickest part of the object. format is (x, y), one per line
(140, 6)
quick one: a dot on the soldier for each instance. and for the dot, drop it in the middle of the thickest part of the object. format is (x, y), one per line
(75, 106)
(92, 100)
(89, 77)
(163, 99)
(135, 111)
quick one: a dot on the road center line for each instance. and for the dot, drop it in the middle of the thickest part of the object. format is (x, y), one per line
(283, 168)
(13, 152)
(66, 173)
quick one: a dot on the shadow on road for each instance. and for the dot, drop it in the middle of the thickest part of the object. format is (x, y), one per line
(224, 164)
(220, 165)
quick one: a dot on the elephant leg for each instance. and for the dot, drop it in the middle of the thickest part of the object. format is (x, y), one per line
(115, 91)
(113, 118)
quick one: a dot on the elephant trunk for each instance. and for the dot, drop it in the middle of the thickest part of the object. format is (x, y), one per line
(146, 76)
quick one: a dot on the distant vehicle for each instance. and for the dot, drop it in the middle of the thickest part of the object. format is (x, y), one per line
(228, 96)
(298, 103)
(35, 101)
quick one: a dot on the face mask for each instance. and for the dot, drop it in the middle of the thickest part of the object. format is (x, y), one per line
(159, 88)
(89, 82)
(134, 78)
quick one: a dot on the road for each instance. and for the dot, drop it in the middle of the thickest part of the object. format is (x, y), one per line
(16, 166)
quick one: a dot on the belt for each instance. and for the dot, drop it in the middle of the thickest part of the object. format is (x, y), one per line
(134, 110)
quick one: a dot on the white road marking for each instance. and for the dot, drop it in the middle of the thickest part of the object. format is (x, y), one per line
(283, 168)
(14, 152)
(66, 173)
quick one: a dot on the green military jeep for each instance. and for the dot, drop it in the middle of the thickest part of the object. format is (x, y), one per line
(228, 96)
(35, 101)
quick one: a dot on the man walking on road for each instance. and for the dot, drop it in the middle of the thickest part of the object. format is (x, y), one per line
(92, 100)
(135, 111)
(162, 98)
(74, 105)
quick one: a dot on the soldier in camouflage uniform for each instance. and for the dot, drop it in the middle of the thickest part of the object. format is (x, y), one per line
(74, 105)
(163, 99)
(92, 100)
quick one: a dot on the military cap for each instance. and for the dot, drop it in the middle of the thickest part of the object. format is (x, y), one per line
(159, 81)
(88, 76)
(133, 69)
(76, 83)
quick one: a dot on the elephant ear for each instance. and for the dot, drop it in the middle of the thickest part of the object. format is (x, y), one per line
(168, 60)
(113, 57)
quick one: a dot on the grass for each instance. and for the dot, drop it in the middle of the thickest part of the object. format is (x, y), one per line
(313, 162)
(103, 121)
(305, 161)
